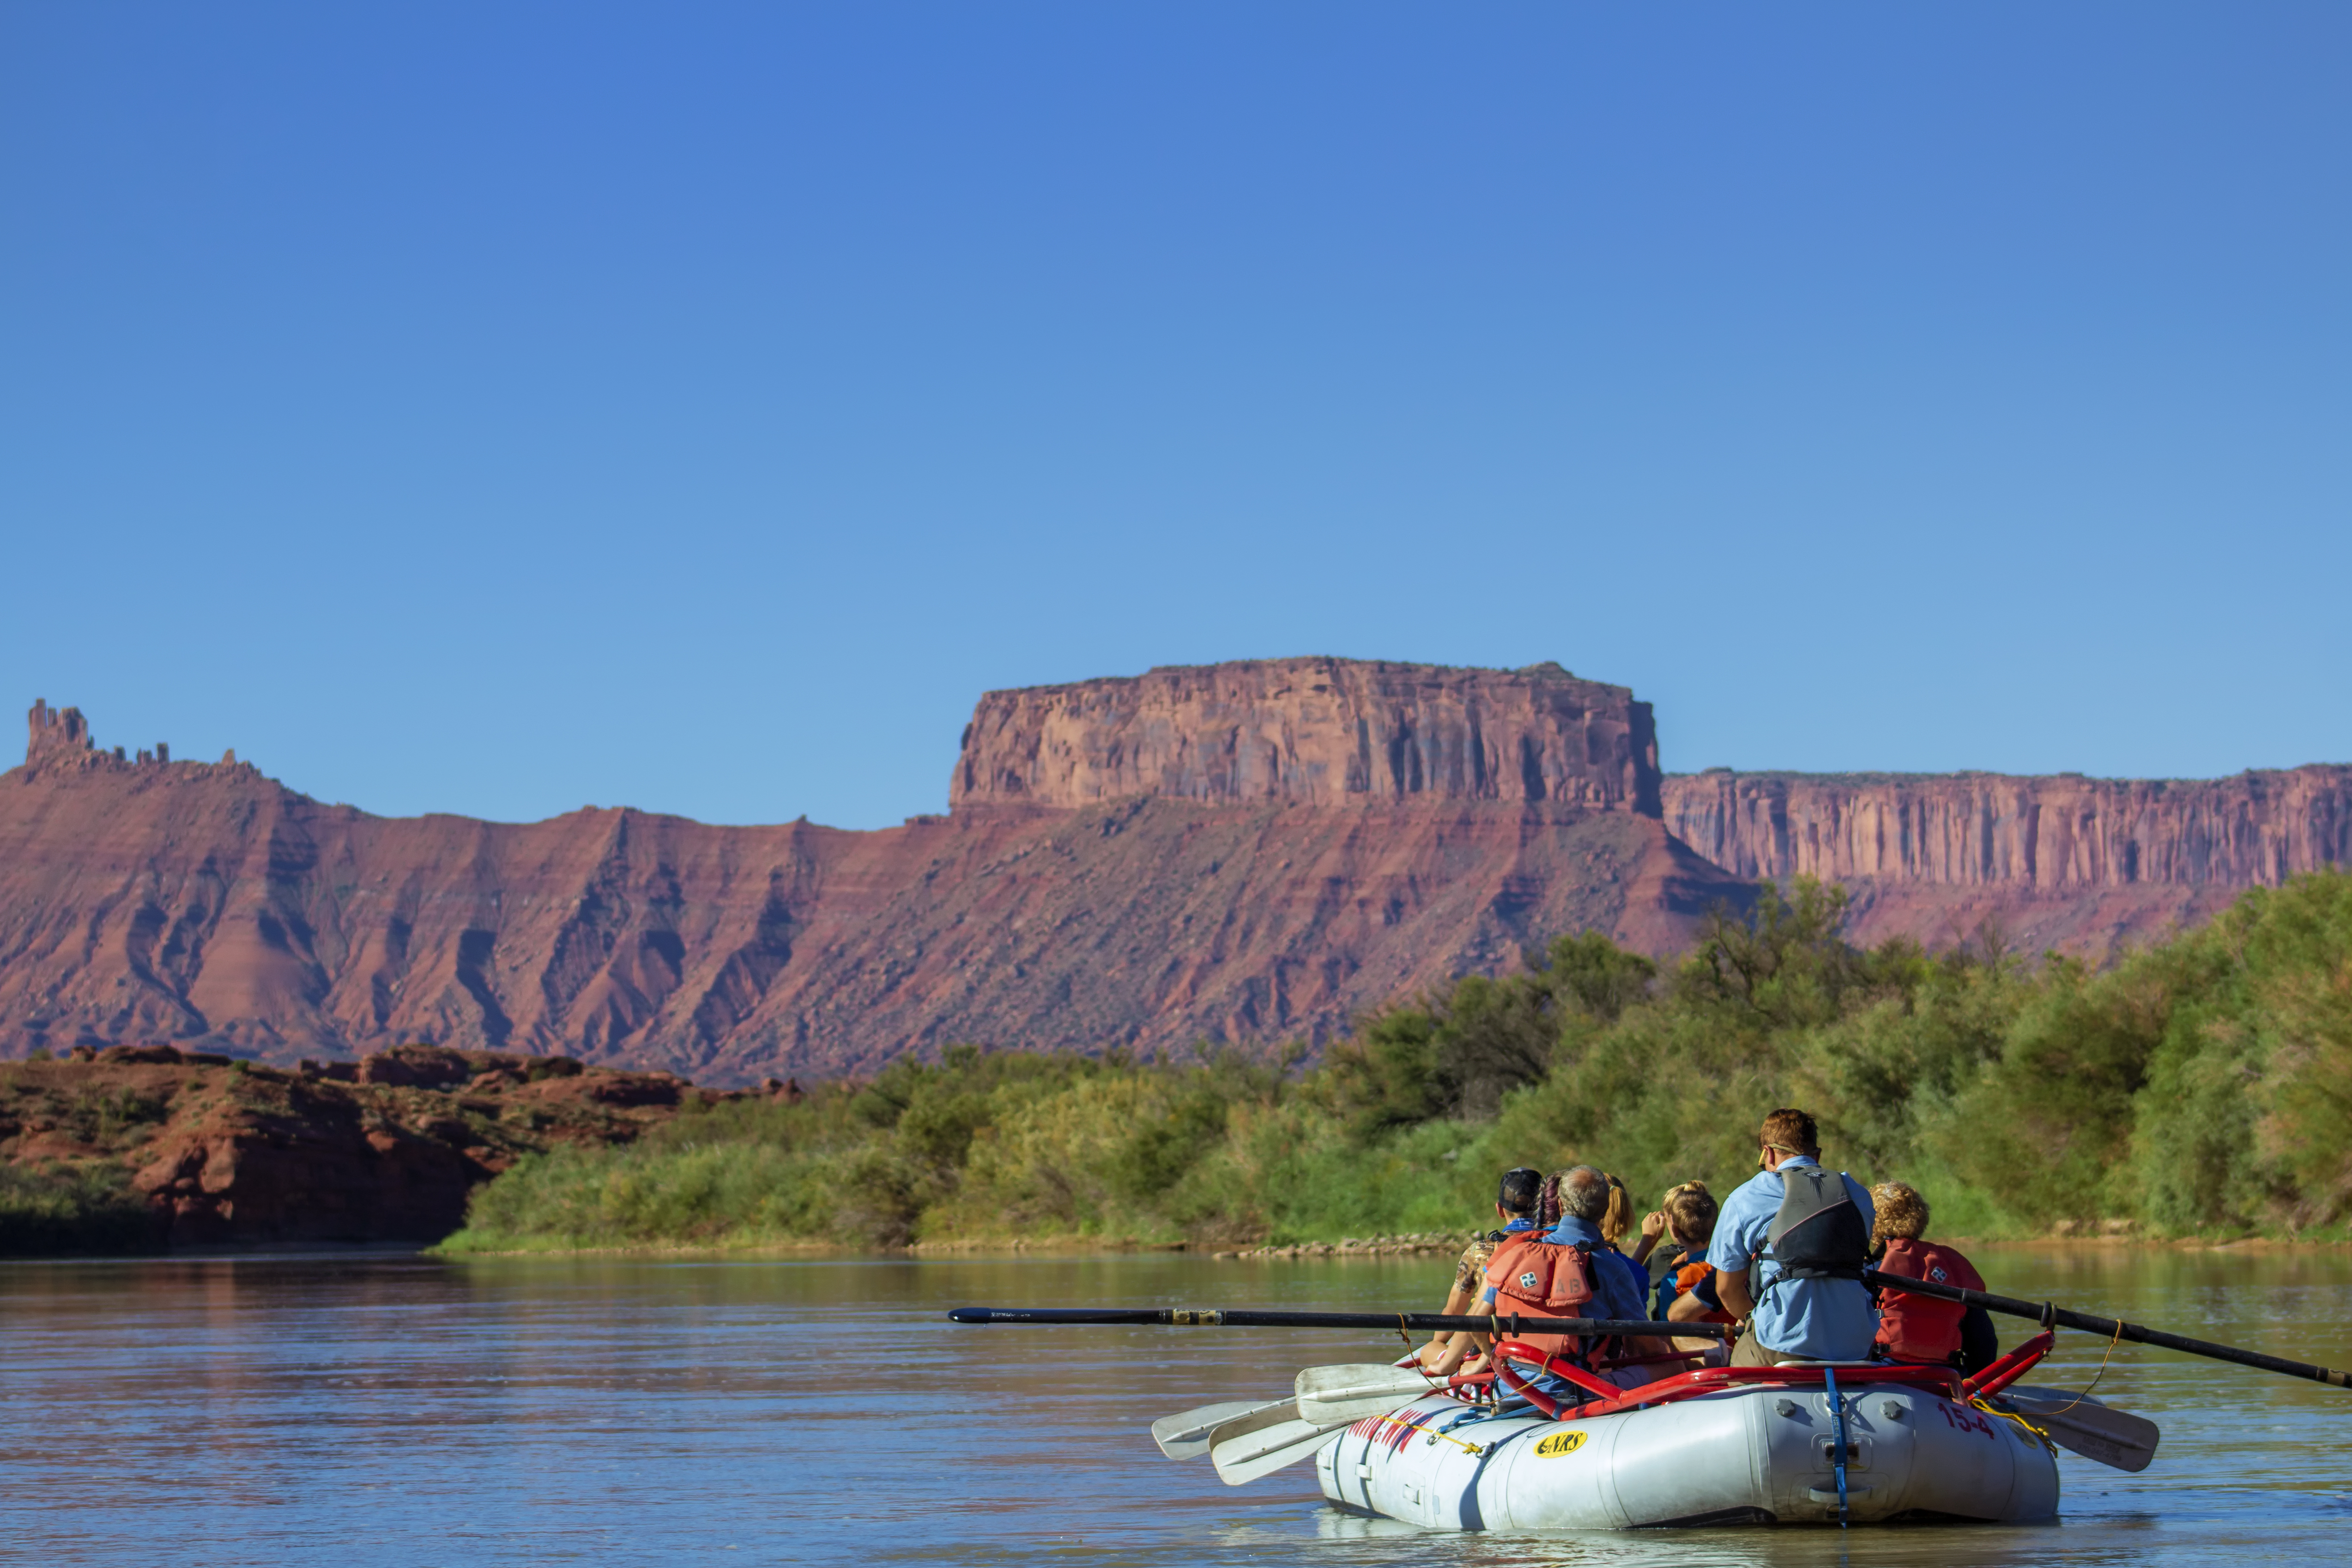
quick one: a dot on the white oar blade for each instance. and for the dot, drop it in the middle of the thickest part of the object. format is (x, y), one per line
(1319, 1380)
(1186, 1437)
(1354, 1403)
(1242, 1450)
(2098, 1432)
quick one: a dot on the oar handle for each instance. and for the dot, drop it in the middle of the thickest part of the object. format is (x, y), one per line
(2046, 1314)
(1426, 1322)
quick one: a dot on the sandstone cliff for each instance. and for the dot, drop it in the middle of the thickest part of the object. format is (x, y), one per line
(208, 904)
(2066, 861)
(136, 1147)
(1244, 853)
(1314, 731)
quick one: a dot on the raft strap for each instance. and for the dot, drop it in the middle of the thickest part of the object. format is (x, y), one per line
(1837, 1415)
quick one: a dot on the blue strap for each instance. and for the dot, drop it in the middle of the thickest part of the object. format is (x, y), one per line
(1837, 1415)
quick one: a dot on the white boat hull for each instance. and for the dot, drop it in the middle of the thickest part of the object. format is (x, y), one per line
(1752, 1455)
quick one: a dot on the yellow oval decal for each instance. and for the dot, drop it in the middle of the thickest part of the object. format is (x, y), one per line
(1560, 1443)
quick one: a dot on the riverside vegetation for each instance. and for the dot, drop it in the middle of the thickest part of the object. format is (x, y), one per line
(2202, 1087)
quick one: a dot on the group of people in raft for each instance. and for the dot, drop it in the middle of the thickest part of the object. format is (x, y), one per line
(1783, 1257)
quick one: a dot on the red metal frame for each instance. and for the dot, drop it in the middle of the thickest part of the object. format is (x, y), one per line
(2009, 1368)
(1940, 1380)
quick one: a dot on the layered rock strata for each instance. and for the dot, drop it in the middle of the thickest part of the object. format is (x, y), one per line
(1314, 731)
(1242, 854)
(2063, 861)
(208, 904)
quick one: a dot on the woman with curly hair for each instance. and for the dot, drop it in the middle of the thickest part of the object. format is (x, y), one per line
(1915, 1328)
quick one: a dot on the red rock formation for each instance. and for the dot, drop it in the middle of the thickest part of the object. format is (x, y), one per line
(202, 1152)
(1242, 853)
(1314, 731)
(2078, 863)
(206, 903)
(55, 737)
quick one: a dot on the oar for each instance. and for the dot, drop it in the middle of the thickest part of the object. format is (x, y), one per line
(1349, 1392)
(2046, 1315)
(1259, 1443)
(2081, 1425)
(1186, 1435)
(1427, 1322)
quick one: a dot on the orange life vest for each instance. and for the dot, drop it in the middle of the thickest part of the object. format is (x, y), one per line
(1539, 1279)
(1923, 1328)
(1689, 1277)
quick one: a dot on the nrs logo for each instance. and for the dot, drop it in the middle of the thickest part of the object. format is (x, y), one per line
(1559, 1443)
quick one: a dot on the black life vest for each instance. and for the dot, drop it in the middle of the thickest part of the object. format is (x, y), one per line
(1819, 1234)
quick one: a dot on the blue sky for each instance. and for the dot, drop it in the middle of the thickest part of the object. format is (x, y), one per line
(496, 408)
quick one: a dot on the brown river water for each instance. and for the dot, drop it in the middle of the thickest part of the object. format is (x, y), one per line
(400, 1410)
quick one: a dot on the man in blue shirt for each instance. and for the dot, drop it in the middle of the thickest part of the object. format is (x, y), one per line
(1788, 1320)
(1619, 1283)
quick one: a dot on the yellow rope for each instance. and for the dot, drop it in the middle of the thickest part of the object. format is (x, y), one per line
(2022, 1421)
(2102, 1373)
(1433, 1433)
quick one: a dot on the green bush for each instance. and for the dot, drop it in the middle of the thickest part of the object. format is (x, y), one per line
(2202, 1086)
(79, 1207)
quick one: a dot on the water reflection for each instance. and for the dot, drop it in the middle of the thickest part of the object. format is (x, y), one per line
(396, 1410)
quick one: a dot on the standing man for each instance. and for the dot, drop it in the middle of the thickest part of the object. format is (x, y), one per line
(1788, 1252)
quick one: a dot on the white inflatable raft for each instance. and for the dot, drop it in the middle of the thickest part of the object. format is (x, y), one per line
(1751, 1453)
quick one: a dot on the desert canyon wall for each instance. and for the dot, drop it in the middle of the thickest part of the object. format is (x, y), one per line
(2065, 861)
(1242, 853)
(1061, 903)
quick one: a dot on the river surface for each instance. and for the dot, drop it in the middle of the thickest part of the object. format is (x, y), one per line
(379, 1409)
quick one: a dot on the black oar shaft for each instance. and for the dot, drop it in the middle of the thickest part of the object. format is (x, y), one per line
(1242, 1318)
(2107, 1328)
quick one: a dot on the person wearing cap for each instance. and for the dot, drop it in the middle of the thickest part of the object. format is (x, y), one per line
(1793, 1319)
(1515, 1197)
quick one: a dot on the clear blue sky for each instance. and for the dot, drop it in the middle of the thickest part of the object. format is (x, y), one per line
(493, 408)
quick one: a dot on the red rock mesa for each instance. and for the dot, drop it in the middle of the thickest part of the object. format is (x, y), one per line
(1246, 852)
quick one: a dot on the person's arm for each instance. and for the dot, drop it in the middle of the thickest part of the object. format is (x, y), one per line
(1458, 1303)
(1731, 1286)
(1482, 1344)
(1457, 1348)
(1654, 1225)
(1689, 1309)
(1628, 1302)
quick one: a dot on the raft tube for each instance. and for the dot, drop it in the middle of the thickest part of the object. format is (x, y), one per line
(1751, 1454)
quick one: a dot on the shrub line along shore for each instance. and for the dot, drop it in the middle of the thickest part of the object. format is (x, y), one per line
(1089, 1246)
(2198, 1091)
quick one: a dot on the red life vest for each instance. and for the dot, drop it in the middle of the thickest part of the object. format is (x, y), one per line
(1539, 1279)
(1923, 1328)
